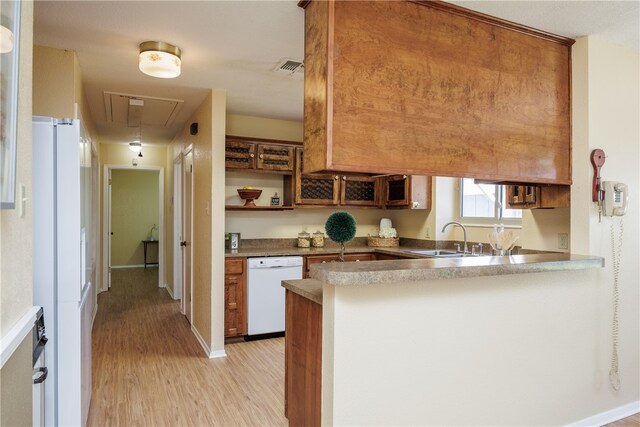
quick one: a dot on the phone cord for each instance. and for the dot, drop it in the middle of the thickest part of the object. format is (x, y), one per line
(614, 377)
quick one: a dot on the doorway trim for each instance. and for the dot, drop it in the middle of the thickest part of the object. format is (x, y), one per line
(106, 222)
(177, 228)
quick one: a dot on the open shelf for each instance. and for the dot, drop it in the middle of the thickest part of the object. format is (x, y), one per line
(257, 208)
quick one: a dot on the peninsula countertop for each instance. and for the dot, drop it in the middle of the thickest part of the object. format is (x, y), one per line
(416, 270)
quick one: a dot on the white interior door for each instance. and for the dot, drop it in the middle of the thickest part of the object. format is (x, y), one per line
(177, 228)
(109, 232)
(186, 233)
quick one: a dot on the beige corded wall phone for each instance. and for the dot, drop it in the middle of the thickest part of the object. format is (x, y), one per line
(611, 198)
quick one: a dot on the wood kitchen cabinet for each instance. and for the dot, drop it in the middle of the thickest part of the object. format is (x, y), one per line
(455, 93)
(407, 192)
(313, 259)
(538, 196)
(334, 189)
(303, 361)
(235, 297)
(259, 155)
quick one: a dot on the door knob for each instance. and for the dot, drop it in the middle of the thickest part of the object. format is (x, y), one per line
(183, 243)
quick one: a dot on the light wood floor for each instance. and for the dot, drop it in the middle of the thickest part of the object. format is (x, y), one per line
(632, 421)
(149, 370)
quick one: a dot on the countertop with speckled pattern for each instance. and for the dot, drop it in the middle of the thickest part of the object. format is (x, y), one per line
(415, 270)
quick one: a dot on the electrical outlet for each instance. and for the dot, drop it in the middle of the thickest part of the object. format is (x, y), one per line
(428, 234)
(563, 240)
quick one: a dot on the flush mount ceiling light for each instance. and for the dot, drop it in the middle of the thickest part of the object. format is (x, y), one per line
(136, 147)
(6, 39)
(160, 59)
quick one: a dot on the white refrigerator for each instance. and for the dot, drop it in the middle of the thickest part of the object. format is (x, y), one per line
(63, 256)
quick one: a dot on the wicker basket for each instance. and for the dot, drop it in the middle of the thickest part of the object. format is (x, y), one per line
(380, 242)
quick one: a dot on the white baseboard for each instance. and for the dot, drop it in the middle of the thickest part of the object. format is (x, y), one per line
(93, 316)
(610, 416)
(132, 266)
(210, 354)
(169, 290)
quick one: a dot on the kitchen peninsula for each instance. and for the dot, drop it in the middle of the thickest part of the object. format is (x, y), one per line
(395, 342)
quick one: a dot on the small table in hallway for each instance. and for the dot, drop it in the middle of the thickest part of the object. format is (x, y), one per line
(145, 243)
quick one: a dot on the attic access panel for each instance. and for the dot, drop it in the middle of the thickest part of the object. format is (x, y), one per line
(149, 111)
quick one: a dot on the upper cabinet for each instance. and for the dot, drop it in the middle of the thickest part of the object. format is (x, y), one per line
(334, 189)
(259, 155)
(407, 192)
(428, 88)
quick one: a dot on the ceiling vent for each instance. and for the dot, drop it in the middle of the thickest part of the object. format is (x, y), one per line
(138, 110)
(289, 67)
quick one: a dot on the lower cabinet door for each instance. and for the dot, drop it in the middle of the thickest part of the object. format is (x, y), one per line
(235, 300)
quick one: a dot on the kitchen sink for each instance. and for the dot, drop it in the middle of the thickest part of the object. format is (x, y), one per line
(437, 253)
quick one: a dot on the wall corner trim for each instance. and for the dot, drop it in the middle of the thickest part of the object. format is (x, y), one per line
(609, 416)
(10, 342)
(210, 354)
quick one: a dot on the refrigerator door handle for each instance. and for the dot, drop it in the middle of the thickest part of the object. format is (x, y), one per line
(41, 378)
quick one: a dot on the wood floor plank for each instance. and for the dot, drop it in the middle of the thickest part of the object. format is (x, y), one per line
(632, 421)
(149, 370)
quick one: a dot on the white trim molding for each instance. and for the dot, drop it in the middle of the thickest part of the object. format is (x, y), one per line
(609, 416)
(210, 354)
(169, 291)
(10, 342)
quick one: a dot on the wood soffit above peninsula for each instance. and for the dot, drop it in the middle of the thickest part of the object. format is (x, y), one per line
(429, 88)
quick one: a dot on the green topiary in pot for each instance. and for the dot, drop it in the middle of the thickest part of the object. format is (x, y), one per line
(341, 228)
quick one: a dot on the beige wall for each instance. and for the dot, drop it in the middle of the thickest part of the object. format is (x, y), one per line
(54, 86)
(134, 211)
(208, 217)
(505, 350)
(606, 107)
(261, 127)
(16, 249)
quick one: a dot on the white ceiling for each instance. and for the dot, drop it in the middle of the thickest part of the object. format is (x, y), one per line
(235, 45)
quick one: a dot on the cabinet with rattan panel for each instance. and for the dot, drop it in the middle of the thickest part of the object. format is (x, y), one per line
(259, 155)
(235, 302)
(333, 189)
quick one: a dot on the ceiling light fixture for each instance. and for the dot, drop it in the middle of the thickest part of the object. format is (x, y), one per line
(6, 39)
(160, 59)
(136, 147)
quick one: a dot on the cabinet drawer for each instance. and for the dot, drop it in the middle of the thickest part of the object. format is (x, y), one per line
(234, 266)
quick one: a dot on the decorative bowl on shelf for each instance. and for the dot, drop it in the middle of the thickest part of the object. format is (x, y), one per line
(249, 195)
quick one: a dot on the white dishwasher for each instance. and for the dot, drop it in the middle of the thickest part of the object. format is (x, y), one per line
(265, 294)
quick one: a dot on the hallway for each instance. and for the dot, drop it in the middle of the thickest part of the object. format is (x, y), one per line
(149, 369)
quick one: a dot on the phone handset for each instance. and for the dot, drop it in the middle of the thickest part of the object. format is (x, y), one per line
(616, 197)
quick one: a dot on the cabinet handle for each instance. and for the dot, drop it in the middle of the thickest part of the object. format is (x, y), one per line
(404, 176)
(344, 178)
(335, 177)
(261, 156)
(252, 155)
(324, 262)
(357, 260)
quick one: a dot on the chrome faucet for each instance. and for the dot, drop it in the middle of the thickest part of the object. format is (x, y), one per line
(465, 250)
